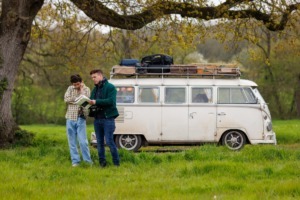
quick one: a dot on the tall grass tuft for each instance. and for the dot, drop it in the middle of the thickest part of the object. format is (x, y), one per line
(128, 156)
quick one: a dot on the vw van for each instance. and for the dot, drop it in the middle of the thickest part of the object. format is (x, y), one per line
(171, 110)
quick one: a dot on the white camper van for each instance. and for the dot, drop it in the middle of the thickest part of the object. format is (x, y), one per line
(185, 110)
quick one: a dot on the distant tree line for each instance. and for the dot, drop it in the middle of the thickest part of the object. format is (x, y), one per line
(268, 58)
(162, 18)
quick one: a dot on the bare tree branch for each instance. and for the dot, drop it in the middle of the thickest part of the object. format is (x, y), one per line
(97, 11)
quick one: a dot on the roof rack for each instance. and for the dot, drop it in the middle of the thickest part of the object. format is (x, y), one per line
(211, 70)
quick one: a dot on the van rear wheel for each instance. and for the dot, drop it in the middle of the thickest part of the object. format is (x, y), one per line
(234, 140)
(129, 142)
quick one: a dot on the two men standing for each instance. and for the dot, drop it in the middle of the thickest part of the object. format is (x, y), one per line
(103, 97)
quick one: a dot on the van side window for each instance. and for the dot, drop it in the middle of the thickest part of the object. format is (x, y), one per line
(224, 95)
(148, 95)
(201, 95)
(175, 95)
(235, 96)
(125, 94)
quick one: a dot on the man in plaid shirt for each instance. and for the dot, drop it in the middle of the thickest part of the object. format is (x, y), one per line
(76, 121)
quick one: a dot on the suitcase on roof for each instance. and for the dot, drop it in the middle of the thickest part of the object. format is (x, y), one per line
(123, 70)
(129, 62)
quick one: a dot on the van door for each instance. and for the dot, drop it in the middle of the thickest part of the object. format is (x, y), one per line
(175, 114)
(202, 115)
(237, 109)
(149, 112)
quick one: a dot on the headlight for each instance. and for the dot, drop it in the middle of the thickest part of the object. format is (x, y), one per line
(269, 126)
(265, 117)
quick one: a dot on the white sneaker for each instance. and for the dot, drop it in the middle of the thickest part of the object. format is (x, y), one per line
(75, 165)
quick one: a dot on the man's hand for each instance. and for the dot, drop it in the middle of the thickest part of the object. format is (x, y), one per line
(92, 102)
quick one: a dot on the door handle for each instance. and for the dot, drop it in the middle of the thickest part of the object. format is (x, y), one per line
(221, 114)
(192, 115)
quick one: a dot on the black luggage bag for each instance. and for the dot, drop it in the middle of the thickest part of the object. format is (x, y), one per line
(157, 63)
(157, 68)
(157, 59)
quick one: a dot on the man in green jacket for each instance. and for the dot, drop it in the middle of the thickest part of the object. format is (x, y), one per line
(104, 97)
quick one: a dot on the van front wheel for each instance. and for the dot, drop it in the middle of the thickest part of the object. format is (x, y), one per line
(234, 140)
(129, 142)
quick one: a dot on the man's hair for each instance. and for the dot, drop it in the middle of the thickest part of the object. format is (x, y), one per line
(75, 78)
(96, 71)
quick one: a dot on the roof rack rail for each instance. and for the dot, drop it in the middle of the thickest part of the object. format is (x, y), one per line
(184, 70)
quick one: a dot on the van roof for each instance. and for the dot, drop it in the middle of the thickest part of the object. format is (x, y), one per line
(182, 81)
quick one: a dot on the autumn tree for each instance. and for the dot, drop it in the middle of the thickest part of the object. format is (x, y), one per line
(17, 17)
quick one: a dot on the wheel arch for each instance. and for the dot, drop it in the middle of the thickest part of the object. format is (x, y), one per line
(234, 139)
(235, 129)
(144, 140)
(140, 138)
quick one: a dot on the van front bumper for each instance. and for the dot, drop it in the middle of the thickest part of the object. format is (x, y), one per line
(269, 138)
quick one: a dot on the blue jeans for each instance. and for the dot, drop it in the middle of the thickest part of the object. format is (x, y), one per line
(77, 130)
(104, 128)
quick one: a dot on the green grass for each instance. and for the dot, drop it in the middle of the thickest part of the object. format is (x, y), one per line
(43, 171)
(288, 131)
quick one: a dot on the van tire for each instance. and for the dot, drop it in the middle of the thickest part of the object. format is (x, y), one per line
(129, 142)
(234, 139)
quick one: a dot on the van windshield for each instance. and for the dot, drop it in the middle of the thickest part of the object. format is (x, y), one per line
(258, 95)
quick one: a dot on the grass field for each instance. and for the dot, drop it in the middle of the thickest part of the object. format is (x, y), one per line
(43, 171)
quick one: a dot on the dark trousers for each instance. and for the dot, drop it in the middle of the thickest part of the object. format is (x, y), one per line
(105, 128)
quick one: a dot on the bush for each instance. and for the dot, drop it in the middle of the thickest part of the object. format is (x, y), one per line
(23, 138)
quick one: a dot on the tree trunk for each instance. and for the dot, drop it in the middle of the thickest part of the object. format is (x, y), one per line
(297, 97)
(15, 27)
(126, 37)
(273, 84)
